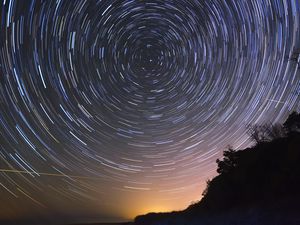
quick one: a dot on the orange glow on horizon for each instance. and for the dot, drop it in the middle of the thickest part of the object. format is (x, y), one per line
(154, 202)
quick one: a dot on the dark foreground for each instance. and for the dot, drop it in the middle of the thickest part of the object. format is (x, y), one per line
(127, 223)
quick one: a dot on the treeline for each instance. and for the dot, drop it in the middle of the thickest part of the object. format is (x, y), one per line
(270, 169)
(259, 177)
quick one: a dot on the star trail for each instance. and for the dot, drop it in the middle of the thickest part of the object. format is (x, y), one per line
(109, 109)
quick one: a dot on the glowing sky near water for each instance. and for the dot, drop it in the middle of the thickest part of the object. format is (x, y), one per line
(109, 109)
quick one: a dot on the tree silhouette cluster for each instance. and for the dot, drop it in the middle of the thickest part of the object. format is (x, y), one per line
(269, 169)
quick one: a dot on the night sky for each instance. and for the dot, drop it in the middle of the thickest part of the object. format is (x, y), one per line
(110, 109)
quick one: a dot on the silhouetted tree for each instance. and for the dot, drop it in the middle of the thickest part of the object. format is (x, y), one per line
(254, 133)
(274, 131)
(206, 188)
(228, 162)
(266, 132)
(292, 124)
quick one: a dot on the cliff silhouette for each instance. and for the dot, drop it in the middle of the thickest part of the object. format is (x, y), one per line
(258, 185)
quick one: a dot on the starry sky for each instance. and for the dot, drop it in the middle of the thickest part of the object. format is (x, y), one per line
(110, 108)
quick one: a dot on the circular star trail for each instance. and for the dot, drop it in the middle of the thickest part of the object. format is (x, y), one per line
(105, 101)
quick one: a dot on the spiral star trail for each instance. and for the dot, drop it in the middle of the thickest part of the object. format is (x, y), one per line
(110, 109)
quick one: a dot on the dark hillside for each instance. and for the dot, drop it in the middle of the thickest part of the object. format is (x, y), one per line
(257, 185)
